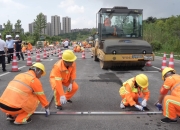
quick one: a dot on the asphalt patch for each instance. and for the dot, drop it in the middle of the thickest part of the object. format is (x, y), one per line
(108, 77)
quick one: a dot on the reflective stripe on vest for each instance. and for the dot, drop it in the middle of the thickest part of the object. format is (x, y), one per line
(175, 86)
(23, 84)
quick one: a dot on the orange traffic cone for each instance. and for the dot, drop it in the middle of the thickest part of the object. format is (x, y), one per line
(14, 64)
(163, 62)
(29, 60)
(83, 55)
(148, 63)
(44, 56)
(171, 61)
(38, 59)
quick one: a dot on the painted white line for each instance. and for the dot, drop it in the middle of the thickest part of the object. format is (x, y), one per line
(22, 67)
(156, 67)
(4, 74)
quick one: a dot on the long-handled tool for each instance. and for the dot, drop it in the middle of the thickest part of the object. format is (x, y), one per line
(98, 113)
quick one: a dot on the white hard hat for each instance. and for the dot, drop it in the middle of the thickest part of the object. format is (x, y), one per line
(7, 36)
(17, 35)
(10, 36)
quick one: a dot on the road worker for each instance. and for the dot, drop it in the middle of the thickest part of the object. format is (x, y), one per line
(64, 74)
(134, 92)
(22, 95)
(107, 21)
(171, 103)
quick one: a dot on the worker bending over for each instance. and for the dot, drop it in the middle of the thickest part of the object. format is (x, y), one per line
(134, 92)
(64, 74)
(171, 103)
(22, 95)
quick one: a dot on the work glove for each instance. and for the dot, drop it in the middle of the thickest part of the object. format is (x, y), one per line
(47, 112)
(122, 105)
(144, 103)
(69, 87)
(63, 100)
(139, 107)
(159, 106)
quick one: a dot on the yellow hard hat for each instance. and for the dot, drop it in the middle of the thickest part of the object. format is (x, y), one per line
(167, 69)
(68, 56)
(142, 80)
(40, 66)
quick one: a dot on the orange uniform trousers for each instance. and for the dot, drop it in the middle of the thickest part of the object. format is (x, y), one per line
(135, 97)
(21, 115)
(171, 106)
(68, 95)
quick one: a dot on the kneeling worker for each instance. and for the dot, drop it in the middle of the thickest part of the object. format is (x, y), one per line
(134, 92)
(64, 74)
(171, 103)
(22, 95)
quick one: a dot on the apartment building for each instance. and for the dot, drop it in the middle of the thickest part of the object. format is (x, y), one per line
(66, 24)
(55, 25)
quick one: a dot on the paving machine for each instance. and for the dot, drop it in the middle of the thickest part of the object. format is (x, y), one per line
(119, 41)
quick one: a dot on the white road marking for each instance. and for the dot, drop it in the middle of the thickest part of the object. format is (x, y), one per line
(4, 74)
(22, 67)
(156, 67)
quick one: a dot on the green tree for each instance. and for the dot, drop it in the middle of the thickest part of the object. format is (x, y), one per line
(40, 24)
(18, 26)
(7, 29)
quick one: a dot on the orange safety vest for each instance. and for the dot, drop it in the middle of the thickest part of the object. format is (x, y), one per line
(175, 89)
(123, 91)
(107, 22)
(64, 75)
(20, 94)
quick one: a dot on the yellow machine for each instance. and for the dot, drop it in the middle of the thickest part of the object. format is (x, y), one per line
(119, 41)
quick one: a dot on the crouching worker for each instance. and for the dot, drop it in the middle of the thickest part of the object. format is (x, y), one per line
(134, 92)
(64, 74)
(171, 103)
(22, 95)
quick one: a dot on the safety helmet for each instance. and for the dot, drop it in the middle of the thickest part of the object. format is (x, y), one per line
(142, 80)
(17, 35)
(40, 66)
(68, 56)
(166, 70)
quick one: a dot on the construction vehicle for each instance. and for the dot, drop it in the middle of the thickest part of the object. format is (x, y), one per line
(40, 43)
(121, 42)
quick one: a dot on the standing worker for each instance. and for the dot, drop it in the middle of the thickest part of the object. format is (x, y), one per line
(171, 103)
(134, 92)
(18, 48)
(10, 45)
(3, 51)
(64, 74)
(22, 95)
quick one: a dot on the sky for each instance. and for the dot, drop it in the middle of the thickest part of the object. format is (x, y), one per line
(81, 12)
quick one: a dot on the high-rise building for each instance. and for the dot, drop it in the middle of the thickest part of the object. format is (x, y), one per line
(0, 27)
(49, 28)
(31, 27)
(66, 22)
(55, 25)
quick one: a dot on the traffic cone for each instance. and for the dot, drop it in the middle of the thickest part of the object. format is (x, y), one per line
(91, 55)
(171, 61)
(38, 59)
(83, 55)
(52, 52)
(163, 62)
(148, 63)
(47, 53)
(29, 60)
(44, 56)
(60, 54)
(14, 64)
